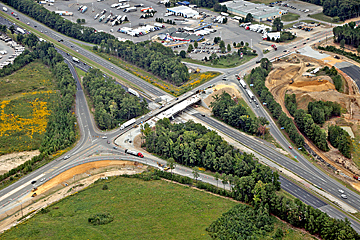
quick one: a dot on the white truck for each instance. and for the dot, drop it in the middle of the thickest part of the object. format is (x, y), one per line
(75, 59)
(128, 123)
(123, 6)
(251, 95)
(130, 9)
(20, 30)
(132, 91)
(242, 83)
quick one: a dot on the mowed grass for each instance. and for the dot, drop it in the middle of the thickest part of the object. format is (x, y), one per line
(290, 17)
(141, 210)
(323, 17)
(25, 103)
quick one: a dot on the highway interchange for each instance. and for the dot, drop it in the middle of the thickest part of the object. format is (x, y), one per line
(91, 141)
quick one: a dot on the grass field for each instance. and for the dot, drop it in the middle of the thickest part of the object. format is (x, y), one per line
(25, 102)
(141, 210)
(323, 17)
(290, 17)
(223, 63)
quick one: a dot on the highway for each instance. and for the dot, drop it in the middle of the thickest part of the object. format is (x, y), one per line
(89, 140)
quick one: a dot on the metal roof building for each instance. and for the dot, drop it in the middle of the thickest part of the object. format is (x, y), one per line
(260, 12)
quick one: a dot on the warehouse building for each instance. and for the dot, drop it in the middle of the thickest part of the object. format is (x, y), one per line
(183, 11)
(260, 12)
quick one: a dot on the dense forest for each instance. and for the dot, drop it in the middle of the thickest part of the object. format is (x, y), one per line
(234, 114)
(60, 130)
(112, 104)
(155, 58)
(344, 9)
(318, 113)
(348, 33)
(191, 144)
(257, 78)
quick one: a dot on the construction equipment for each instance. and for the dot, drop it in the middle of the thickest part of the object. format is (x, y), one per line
(34, 195)
(197, 70)
(291, 81)
(34, 189)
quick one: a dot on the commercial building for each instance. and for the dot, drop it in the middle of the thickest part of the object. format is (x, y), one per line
(260, 12)
(183, 11)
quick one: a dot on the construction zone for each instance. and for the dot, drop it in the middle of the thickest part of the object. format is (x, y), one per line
(304, 77)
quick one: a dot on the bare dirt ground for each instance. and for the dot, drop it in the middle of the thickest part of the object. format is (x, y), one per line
(219, 89)
(12, 160)
(65, 184)
(287, 78)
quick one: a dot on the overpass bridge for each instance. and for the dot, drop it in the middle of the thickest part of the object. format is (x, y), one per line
(192, 99)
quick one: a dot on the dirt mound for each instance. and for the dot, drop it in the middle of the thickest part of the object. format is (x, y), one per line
(313, 86)
(219, 90)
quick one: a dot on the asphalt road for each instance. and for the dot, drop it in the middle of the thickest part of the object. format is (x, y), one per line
(353, 72)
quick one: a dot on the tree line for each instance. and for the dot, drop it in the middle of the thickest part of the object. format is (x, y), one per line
(112, 103)
(318, 113)
(147, 56)
(60, 130)
(340, 139)
(338, 9)
(226, 109)
(348, 33)
(257, 78)
(306, 124)
(150, 56)
(191, 144)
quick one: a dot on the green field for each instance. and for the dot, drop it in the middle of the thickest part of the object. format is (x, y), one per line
(141, 210)
(290, 17)
(323, 17)
(25, 102)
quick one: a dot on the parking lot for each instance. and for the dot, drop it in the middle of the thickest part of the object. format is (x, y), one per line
(300, 8)
(229, 32)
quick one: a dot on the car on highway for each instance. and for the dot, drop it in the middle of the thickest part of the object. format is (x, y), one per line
(203, 115)
(68, 54)
(43, 179)
(258, 61)
(285, 50)
(160, 107)
(290, 147)
(341, 191)
(295, 47)
(28, 23)
(343, 196)
(66, 157)
(35, 26)
(33, 182)
(108, 142)
(308, 39)
(177, 98)
(115, 147)
(104, 137)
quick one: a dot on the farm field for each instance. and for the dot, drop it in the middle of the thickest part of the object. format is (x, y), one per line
(25, 102)
(141, 210)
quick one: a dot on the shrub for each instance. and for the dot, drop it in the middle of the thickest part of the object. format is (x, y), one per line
(100, 219)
